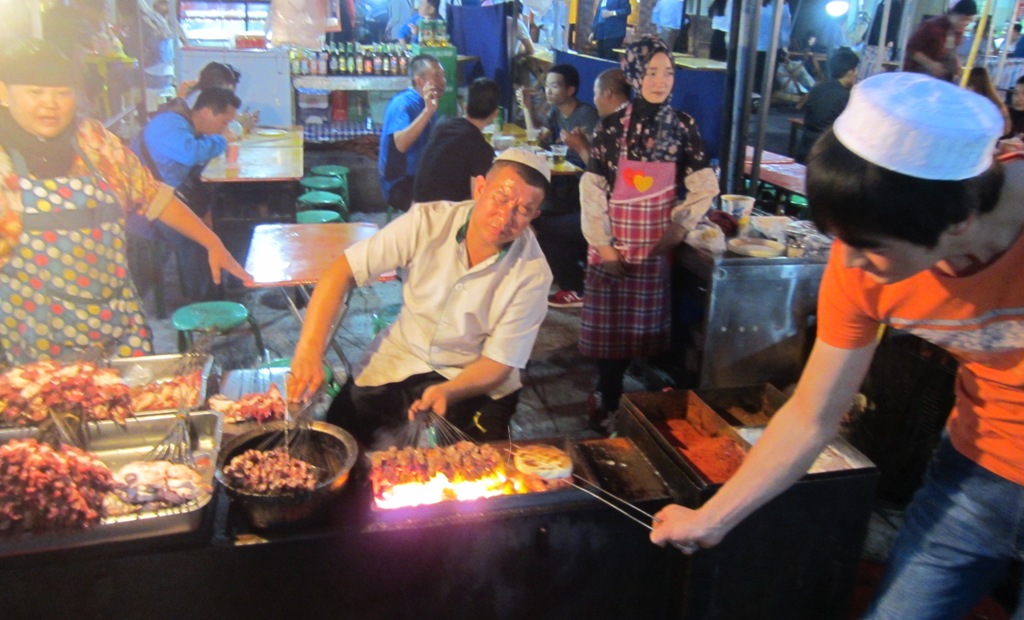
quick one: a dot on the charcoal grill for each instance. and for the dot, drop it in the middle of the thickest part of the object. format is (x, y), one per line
(796, 557)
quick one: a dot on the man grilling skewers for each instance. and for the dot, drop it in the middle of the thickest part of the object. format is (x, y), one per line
(930, 235)
(474, 295)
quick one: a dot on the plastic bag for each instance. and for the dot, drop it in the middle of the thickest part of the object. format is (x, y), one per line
(707, 236)
(298, 22)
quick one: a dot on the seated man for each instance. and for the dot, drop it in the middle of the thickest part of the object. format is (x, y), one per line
(473, 302)
(410, 31)
(558, 231)
(611, 94)
(457, 150)
(827, 100)
(408, 120)
(175, 146)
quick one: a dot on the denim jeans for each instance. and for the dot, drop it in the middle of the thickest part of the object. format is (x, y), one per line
(962, 531)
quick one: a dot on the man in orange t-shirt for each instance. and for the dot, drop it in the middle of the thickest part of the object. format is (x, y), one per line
(930, 241)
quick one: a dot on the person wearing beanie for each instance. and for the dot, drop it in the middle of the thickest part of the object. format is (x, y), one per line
(473, 298)
(67, 186)
(931, 49)
(929, 240)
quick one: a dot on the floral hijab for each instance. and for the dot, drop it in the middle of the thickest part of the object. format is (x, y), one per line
(662, 138)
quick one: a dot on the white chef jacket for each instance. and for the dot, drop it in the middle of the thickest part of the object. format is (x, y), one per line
(451, 314)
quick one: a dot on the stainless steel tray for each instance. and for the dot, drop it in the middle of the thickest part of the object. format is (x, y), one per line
(117, 446)
(150, 368)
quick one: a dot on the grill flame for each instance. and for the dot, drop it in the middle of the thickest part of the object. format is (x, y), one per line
(439, 489)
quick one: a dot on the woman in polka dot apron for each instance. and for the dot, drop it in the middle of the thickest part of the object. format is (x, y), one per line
(65, 190)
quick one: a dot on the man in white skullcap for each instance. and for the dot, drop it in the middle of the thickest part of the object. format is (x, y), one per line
(474, 294)
(929, 241)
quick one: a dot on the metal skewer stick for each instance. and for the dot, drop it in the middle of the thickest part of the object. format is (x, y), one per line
(687, 548)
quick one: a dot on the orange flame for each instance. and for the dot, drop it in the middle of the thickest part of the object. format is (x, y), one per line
(440, 488)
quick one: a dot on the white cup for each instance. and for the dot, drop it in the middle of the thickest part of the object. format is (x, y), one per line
(740, 207)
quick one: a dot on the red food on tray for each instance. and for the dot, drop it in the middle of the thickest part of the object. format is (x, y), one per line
(717, 457)
(46, 488)
(29, 393)
(261, 406)
(177, 392)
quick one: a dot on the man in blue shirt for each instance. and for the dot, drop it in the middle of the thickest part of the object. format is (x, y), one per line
(408, 122)
(177, 144)
(609, 26)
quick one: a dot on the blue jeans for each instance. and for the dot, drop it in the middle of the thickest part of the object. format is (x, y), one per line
(962, 531)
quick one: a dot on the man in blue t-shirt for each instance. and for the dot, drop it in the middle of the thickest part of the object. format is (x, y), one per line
(176, 144)
(408, 122)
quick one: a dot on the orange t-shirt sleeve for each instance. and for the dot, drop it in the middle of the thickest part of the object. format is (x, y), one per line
(843, 319)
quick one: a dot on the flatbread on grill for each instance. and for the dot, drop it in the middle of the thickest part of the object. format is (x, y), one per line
(543, 461)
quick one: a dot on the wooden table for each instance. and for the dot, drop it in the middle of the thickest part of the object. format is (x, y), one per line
(788, 178)
(286, 255)
(261, 159)
(767, 157)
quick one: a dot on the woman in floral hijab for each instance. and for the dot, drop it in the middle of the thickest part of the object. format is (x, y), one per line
(647, 184)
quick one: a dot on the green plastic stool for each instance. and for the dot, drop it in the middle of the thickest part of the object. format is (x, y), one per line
(323, 184)
(220, 316)
(317, 217)
(324, 201)
(338, 172)
(332, 388)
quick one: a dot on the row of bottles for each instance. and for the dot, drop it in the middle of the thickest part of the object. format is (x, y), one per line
(352, 59)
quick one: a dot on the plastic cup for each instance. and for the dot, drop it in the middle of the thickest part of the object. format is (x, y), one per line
(231, 155)
(558, 153)
(740, 207)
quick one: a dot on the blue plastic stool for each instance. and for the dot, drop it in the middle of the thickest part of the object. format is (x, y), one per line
(219, 316)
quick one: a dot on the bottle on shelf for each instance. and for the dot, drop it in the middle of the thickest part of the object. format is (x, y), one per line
(350, 58)
(332, 60)
(358, 59)
(403, 60)
(385, 60)
(368, 61)
(303, 62)
(321, 61)
(294, 62)
(378, 61)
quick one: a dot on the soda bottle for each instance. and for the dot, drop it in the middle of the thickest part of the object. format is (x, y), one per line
(359, 59)
(378, 61)
(350, 59)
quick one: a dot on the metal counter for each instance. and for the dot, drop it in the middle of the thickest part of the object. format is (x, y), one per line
(756, 322)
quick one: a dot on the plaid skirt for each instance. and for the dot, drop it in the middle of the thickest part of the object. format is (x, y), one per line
(630, 316)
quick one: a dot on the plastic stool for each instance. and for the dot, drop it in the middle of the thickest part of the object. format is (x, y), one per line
(323, 184)
(332, 388)
(338, 172)
(325, 201)
(315, 216)
(220, 316)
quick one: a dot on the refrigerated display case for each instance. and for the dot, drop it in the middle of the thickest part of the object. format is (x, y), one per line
(213, 23)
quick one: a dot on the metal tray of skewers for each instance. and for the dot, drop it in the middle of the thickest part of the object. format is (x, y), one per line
(116, 446)
(158, 382)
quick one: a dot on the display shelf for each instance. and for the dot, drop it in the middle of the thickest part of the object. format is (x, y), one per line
(352, 82)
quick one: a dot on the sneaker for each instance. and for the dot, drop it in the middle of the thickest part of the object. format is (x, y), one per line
(565, 299)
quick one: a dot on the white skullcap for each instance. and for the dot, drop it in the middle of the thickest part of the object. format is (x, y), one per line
(528, 158)
(920, 126)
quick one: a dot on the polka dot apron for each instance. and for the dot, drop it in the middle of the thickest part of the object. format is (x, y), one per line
(67, 284)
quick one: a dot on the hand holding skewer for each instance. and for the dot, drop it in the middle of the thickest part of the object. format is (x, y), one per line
(680, 527)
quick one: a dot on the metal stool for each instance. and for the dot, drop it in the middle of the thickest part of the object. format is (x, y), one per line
(315, 216)
(338, 172)
(324, 201)
(220, 316)
(331, 386)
